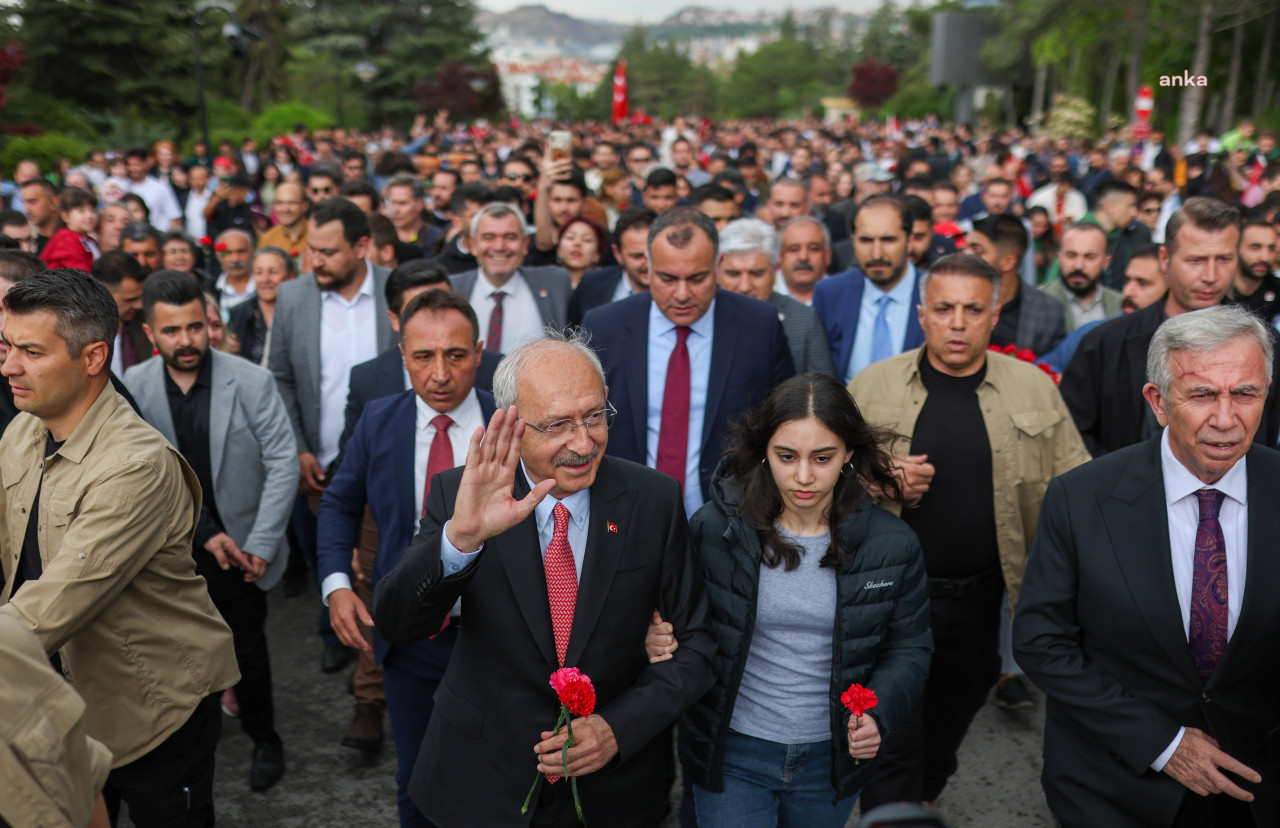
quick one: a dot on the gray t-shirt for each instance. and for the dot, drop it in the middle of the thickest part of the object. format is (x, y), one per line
(786, 686)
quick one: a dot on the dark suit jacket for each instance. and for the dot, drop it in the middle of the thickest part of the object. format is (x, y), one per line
(1102, 385)
(1099, 629)
(838, 301)
(383, 376)
(595, 289)
(453, 259)
(1042, 320)
(749, 357)
(377, 471)
(476, 764)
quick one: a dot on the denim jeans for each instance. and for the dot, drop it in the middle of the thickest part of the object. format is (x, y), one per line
(767, 784)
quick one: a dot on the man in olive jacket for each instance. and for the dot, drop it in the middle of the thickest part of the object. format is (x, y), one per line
(996, 431)
(97, 522)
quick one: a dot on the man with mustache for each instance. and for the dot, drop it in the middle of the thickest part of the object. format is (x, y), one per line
(560, 555)
(326, 323)
(804, 253)
(227, 420)
(996, 432)
(1256, 288)
(1082, 259)
(396, 448)
(235, 285)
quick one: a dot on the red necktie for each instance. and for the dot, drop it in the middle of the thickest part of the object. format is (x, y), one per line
(673, 432)
(128, 354)
(1208, 633)
(440, 458)
(562, 587)
(494, 340)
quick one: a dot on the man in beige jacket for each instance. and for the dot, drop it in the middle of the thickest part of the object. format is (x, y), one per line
(96, 529)
(982, 434)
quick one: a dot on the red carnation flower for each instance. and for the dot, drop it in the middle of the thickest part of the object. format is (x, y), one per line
(1026, 355)
(1009, 349)
(859, 699)
(205, 240)
(579, 697)
(220, 246)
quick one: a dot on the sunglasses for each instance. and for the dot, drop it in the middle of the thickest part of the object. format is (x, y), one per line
(518, 177)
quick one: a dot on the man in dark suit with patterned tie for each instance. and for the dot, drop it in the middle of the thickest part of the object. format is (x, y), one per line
(560, 556)
(1147, 613)
(396, 448)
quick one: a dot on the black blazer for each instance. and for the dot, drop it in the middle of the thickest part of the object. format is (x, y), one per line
(476, 763)
(749, 358)
(383, 376)
(1099, 629)
(595, 289)
(1102, 385)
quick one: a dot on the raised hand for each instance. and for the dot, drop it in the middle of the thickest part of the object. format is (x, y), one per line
(485, 506)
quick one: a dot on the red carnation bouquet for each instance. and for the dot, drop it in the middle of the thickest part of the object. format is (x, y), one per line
(577, 698)
(859, 700)
(1026, 355)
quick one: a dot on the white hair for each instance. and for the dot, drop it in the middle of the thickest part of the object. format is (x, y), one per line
(506, 377)
(1200, 332)
(497, 209)
(802, 220)
(749, 235)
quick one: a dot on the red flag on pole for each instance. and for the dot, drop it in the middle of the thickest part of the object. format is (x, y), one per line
(621, 99)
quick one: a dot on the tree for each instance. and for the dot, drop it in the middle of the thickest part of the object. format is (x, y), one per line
(467, 92)
(873, 83)
(779, 79)
(11, 59)
(661, 80)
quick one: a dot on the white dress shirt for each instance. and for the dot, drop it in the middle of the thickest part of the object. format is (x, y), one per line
(117, 356)
(521, 319)
(466, 416)
(579, 506)
(161, 203)
(229, 297)
(194, 212)
(898, 315)
(662, 341)
(1180, 487)
(348, 337)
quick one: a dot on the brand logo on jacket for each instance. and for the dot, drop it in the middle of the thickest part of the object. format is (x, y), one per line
(880, 585)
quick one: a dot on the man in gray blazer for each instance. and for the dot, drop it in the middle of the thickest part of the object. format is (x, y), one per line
(513, 304)
(1082, 260)
(227, 420)
(327, 322)
(747, 265)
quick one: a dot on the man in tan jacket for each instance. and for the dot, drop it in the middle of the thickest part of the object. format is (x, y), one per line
(96, 529)
(982, 434)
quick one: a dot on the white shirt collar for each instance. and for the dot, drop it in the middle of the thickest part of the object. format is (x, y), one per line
(577, 503)
(466, 411)
(1179, 482)
(228, 290)
(513, 286)
(659, 324)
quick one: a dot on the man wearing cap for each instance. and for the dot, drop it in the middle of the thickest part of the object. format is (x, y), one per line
(229, 208)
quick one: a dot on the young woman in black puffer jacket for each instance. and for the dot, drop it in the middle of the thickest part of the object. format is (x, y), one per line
(812, 588)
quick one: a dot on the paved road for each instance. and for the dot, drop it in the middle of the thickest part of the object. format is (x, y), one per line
(329, 786)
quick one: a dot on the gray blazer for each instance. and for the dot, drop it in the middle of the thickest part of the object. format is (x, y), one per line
(1112, 300)
(252, 453)
(295, 350)
(1041, 325)
(551, 288)
(805, 336)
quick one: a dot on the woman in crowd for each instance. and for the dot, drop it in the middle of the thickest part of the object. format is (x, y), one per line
(844, 185)
(138, 209)
(812, 588)
(265, 182)
(166, 158)
(1045, 243)
(615, 193)
(582, 242)
(250, 321)
(178, 252)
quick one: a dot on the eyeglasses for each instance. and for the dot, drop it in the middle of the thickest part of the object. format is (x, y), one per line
(518, 177)
(596, 421)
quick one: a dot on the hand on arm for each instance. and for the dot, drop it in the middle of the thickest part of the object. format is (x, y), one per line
(660, 642)
(594, 746)
(485, 506)
(1198, 764)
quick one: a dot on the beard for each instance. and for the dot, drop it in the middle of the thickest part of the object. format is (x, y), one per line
(1255, 272)
(1080, 289)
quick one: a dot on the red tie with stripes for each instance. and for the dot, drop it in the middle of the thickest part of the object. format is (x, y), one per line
(562, 586)
(673, 432)
(494, 342)
(440, 458)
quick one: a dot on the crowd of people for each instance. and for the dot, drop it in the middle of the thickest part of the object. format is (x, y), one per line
(728, 417)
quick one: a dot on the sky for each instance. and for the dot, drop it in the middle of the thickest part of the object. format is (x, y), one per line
(654, 11)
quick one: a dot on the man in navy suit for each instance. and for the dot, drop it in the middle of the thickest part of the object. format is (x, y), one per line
(610, 284)
(685, 360)
(395, 448)
(870, 313)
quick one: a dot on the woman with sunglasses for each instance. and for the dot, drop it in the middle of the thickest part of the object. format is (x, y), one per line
(812, 588)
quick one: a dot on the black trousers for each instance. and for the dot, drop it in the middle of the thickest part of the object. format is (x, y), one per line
(244, 608)
(172, 786)
(918, 758)
(553, 806)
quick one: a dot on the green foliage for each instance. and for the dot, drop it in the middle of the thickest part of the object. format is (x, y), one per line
(44, 149)
(778, 80)
(1071, 117)
(47, 112)
(281, 118)
(916, 97)
(661, 80)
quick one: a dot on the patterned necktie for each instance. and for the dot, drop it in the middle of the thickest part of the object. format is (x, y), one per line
(128, 353)
(673, 431)
(494, 341)
(440, 458)
(881, 339)
(562, 580)
(1208, 637)
(562, 587)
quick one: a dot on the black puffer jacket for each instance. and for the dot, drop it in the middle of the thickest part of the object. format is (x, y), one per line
(880, 637)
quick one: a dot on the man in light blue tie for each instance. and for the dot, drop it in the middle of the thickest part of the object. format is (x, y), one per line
(869, 313)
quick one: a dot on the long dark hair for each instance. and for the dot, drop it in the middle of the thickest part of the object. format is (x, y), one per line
(808, 395)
